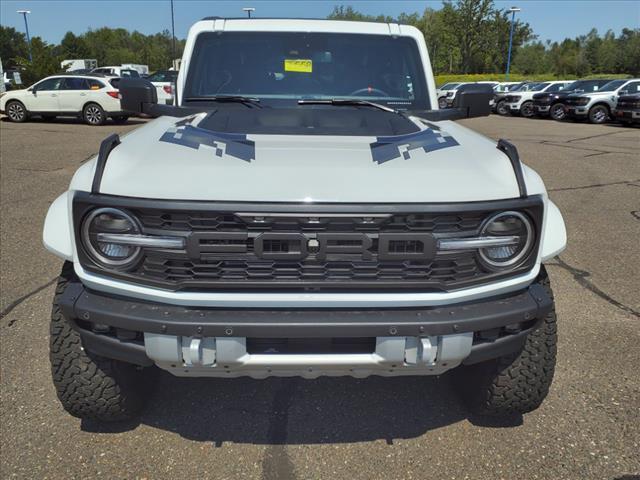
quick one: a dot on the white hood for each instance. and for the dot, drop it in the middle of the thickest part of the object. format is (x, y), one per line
(295, 168)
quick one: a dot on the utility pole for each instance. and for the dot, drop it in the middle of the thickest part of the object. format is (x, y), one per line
(249, 10)
(24, 13)
(513, 11)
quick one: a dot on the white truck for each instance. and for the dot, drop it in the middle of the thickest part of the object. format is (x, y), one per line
(304, 209)
(79, 64)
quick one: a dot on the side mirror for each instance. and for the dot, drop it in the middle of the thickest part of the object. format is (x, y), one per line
(137, 95)
(473, 100)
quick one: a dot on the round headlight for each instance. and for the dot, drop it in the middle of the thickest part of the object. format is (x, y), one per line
(110, 221)
(511, 225)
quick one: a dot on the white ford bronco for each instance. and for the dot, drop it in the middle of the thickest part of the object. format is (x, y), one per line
(304, 209)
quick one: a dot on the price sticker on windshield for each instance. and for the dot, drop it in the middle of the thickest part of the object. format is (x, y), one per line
(298, 65)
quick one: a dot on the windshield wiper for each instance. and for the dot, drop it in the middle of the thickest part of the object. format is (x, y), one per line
(249, 101)
(347, 102)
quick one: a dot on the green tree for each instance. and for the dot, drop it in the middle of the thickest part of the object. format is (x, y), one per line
(44, 62)
(13, 44)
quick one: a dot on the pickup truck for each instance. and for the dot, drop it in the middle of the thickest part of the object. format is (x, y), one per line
(597, 107)
(521, 102)
(551, 104)
(627, 109)
(304, 209)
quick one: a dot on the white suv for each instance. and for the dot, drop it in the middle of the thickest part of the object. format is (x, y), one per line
(286, 218)
(93, 98)
(521, 103)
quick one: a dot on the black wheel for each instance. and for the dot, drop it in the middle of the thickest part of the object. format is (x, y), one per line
(93, 114)
(120, 119)
(557, 111)
(16, 111)
(514, 384)
(598, 114)
(90, 386)
(526, 110)
(442, 102)
(501, 108)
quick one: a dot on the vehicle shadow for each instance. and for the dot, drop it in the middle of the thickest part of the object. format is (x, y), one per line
(279, 411)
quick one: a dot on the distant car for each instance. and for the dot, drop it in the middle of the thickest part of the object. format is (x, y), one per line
(597, 106)
(551, 104)
(627, 109)
(92, 98)
(441, 93)
(499, 103)
(117, 72)
(164, 81)
(521, 103)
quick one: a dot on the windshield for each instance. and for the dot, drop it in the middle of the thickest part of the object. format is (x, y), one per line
(169, 76)
(295, 65)
(449, 86)
(538, 86)
(612, 85)
(525, 87)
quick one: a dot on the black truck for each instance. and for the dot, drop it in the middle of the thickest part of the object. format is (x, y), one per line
(551, 104)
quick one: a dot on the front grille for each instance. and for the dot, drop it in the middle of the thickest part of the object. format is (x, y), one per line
(250, 247)
(630, 104)
(578, 101)
(225, 250)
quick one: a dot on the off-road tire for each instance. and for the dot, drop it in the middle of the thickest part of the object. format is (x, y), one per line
(16, 111)
(598, 114)
(93, 114)
(90, 386)
(557, 112)
(514, 384)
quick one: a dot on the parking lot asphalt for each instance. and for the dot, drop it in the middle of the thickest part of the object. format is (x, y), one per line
(398, 428)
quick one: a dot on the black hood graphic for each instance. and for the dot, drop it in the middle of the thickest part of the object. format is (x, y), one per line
(386, 149)
(233, 144)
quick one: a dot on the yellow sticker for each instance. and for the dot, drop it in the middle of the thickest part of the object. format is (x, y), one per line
(298, 65)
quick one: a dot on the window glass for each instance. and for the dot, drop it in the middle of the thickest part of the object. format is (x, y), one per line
(94, 84)
(632, 87)
(49, 84)
(163, 77)
(129, 73)
(612, 85)
(75, 83)
(556, 87)
(294, 65)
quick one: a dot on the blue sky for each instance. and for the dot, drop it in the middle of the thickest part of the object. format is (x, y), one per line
(51, 19)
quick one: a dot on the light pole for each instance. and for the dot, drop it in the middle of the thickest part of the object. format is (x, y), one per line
(248, 10)
(173, 36)
(513, 11)
(26, 26)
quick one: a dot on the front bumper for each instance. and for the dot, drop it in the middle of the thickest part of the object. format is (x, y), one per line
(576, 111)
(541, 109)
(217, 341)
(627, 114)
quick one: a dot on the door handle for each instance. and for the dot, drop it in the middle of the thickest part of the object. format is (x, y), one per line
(83, 94)
(54, 94)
